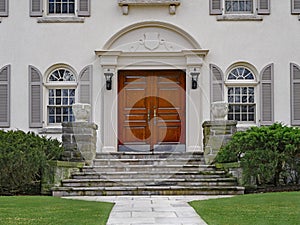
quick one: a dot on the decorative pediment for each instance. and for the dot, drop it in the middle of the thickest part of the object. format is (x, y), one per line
(171, 3)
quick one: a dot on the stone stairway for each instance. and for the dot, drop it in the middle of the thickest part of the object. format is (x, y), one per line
(149, 174)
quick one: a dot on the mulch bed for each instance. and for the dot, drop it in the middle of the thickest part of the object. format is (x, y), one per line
(285, 188)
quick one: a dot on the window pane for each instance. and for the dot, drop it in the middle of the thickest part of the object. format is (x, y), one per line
(65, 101)
(71, 8)
(65, 92)
(251, 90)
(58, 101)
(65, 110)
(237, 108)
(58, 119)
(51, 119)
(51, 110)
(64, 8)
(251, 99)
(58, 92)
(251, 108)
(237, 99)
(251, 117)
(51, 101)
(57, 8)
(72, 101)
(244, 108)
(244, 117)
(72, 92)
(58, 111)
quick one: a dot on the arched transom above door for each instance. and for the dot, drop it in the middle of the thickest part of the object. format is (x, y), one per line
(145, 40)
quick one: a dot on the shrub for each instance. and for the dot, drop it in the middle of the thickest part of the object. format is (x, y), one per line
(22, 158)
(268, 153)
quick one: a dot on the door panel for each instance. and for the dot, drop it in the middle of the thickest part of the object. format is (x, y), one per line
(151, 109)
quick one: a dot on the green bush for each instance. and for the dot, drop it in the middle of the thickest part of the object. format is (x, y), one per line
(22, 158)
(268, 153)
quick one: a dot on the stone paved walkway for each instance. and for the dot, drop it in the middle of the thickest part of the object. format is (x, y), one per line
(146, 210)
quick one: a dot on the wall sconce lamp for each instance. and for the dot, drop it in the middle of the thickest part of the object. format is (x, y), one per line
(194, 74)
(108, 77)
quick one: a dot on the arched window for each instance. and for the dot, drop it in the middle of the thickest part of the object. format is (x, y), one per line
(61, 84)
(240, 84)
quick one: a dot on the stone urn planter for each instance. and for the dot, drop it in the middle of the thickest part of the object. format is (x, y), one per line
(81, 112)
(219, 110)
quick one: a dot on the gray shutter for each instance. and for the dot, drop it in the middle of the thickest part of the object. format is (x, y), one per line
(84, 7)
(85, 85)
(263, 7)
(36, 8)
(5, 96)
(267, 95)
(35, 98)
(295, 94)
(215, 7)
(3, 7)
(295, 6)
(216, 84)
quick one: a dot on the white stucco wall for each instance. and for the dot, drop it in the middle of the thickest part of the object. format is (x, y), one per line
(25, 42)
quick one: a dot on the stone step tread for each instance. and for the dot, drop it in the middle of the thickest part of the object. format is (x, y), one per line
(160, 154)
(151, 160)
(124, 188)
(154, 166)
(151, 180)
(214, 172)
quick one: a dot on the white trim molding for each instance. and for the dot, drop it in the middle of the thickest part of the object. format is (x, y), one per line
(171, 3)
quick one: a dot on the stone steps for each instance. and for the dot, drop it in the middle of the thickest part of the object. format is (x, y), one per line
(154, 175)
(149, 168)
(148, 182)
(148, 174)
(152, 162)
(147, 190)
(150, 155)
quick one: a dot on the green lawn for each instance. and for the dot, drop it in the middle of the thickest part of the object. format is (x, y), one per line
(42, 210)
(255, 209)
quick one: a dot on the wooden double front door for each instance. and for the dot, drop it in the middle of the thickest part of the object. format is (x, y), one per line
(151, 110)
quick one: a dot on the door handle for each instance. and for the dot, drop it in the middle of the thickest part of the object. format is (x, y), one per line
(154, 115)
(148, 116)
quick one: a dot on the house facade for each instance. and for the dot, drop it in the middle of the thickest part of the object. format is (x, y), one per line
(149, 68)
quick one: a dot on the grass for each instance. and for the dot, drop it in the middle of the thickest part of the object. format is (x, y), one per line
(255, 209)
(50, 210)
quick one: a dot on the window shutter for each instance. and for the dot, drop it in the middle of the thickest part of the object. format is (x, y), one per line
(295, 6)
(5, 96)
(3, 7)
(263, 7)
(215, 7)
(85, 85)
(35, 98)
(84, 7)
(36, 7)
(267, 95)
(295, 94)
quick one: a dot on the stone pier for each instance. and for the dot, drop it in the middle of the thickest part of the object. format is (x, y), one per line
(79, 140)
(216, 134)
